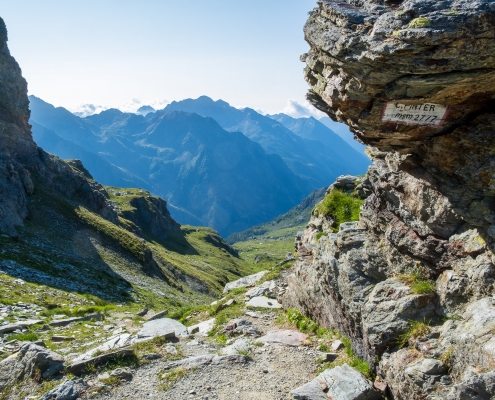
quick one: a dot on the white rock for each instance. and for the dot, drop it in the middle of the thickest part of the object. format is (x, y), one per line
(245, 281)
(263, 302)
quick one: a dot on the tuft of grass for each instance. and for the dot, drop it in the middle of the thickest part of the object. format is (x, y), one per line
(24, 337)
(418, 282)
(301, 322)
(171, 377)
(342, 207)
(446, 357)
(416, 329)
(321, 234)
(421, 22)
(77, 311)
(245, 353)
(112, 381)
(348, 357)
(324, 348)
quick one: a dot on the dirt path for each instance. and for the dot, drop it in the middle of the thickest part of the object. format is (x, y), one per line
(271, 372)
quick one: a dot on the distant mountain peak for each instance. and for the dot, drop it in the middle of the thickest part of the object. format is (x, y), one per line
(145, 110)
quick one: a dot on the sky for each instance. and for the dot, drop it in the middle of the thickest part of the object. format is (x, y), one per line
(91, 55)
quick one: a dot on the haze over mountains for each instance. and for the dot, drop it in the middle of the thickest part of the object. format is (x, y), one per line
(216, 165)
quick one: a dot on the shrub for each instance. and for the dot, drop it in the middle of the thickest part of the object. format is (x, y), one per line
(341, 206)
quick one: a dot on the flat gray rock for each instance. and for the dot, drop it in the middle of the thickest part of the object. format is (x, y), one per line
(284, 336)
(19, 325)
(69, 390)
(245, 281)
(113, 343)
(67, 321)
(240, 345)
(259, 290)
(263, 302)
(30, 359)
(203, 327)
(343, 383)
(161, 327)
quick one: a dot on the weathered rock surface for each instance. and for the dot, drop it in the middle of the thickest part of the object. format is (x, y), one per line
(240, 346)
(245, 281)
(161, 327)
(203, 327)
(69, 390)
(415, 81)
(80, 367)
(342, 382)
(31, 361)
(263, 302)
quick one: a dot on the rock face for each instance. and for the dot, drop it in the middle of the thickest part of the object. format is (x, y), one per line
(22, 162)
(342, 383)
(415, 81)
(31, 361)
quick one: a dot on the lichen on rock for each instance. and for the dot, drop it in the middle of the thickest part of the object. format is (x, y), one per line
(415, 81)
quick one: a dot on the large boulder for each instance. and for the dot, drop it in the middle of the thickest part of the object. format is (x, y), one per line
(162, 327)
(31, 361)
(415, 81)
(245, 281)
(343, 383)
(68, 390)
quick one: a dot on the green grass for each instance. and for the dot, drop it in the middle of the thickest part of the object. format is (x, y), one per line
(342, 207)
(302, 323)
(447, 357)
(416, 329)
(271, 249)
(171, 377)
(77, 311)
(418, 283)
(321, 234)
(24, 337)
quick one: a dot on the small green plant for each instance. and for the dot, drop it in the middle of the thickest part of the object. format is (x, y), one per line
(418, 282)
(324, 347)
(416, 329)
(221, 338)
(446, 357)
(341, 206)
(420, 22)
(245, 353)
(320, 234)
(171, 377)
(112, 381)
(301, 322)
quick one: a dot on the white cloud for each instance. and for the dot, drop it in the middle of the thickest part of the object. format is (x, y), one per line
(298, 110)
(85, 110)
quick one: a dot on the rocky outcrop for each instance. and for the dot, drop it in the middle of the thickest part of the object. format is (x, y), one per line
(415, 81)
(31, 361)
(22, 163)
(151, 212)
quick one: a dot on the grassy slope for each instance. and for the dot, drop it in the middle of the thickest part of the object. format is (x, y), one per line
(271, 241)
(71, 243)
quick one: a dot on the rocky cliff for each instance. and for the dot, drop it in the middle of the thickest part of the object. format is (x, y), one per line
(415, 81)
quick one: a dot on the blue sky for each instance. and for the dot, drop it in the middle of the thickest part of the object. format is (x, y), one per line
(109, 52)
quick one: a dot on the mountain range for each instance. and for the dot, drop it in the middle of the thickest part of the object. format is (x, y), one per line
(216, 165)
